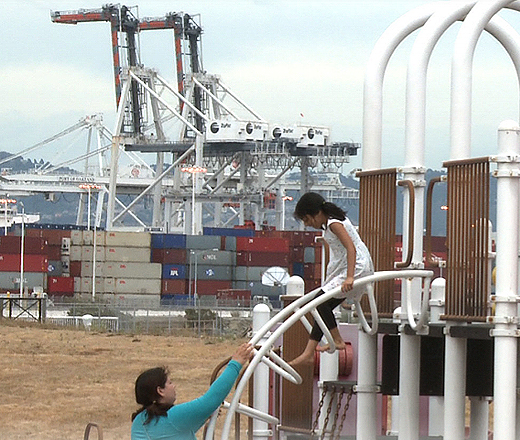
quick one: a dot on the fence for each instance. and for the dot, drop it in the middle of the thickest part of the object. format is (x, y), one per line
(223, 318)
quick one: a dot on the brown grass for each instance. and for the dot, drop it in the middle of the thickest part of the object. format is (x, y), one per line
(54, 381)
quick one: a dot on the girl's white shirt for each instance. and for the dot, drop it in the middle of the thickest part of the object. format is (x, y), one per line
(337, 267)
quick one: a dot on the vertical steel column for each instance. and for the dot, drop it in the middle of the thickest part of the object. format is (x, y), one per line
(505, 331)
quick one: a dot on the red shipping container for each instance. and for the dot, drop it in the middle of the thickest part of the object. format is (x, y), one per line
(11, 244)
(174, 286)
(262, 259)
(54, 236)
(60, 285)
(169, 256)
(296, 254)
(210, 287)
(233, 294)
(309, 237)
(32, 263)
(54, 252)
(75, 268)
(263, 244)
(312, 271)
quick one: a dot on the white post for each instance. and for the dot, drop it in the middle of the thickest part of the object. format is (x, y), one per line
(366, 389)
(22, 249)
(436, 403)
(505, 331)
(409, 374)
(261, 431)
(329, 370)
(454, 387)
(94, 263)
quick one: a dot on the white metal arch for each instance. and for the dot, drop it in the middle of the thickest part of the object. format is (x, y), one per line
(290, 315)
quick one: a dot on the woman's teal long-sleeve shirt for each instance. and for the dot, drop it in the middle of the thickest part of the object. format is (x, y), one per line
(185, 419)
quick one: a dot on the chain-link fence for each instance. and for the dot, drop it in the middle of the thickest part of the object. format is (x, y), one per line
(220, 318)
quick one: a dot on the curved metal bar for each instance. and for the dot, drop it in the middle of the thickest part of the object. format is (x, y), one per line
(411, 223)
(373, 310)
(428, 235)
(304, 305)
(420, 324)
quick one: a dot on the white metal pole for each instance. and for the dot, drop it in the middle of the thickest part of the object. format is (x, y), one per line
(479, 417)
(261, 431)
(88, 209)
(22, 250)
(329, 370)
(94, 263)
(5, 214)
(409, 374)
(454, 387)
(366, 389)
(505, 331)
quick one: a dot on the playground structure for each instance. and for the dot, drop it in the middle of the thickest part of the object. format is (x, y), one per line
(457, 313)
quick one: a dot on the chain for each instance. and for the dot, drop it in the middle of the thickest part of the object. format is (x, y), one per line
(344, 415)
(329, 409)
(338, 407)
(318, 411)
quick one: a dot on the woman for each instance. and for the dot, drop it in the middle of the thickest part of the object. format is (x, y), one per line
(159, 419)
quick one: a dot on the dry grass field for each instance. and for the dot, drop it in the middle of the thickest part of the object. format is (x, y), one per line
(55, 380)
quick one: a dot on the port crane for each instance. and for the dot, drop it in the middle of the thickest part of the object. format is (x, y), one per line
(201, 123)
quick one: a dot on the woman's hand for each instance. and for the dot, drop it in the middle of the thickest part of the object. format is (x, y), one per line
(243, 353)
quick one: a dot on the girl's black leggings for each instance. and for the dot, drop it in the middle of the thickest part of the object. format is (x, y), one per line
(326, 312)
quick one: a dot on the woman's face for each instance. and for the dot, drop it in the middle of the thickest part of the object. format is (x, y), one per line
(168, 393)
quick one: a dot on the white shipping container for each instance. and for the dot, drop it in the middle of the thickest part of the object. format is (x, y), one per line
(88, 237)
(86, 285)
(100, 238)
(119, 269)
(86, 269)
(136, 239)
(109, 285)
(126, 254)
(76, 237)
(138, 285)
(75, 252)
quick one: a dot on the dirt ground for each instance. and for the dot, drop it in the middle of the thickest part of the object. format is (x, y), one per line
(54, 380)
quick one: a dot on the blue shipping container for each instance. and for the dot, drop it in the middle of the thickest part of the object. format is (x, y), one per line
(174, 271)
(229, 232)
(168, 241)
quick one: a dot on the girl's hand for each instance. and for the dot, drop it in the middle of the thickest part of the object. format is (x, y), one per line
(348, 284)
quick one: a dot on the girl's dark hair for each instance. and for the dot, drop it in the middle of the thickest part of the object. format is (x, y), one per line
(312, 203)
(146, 393)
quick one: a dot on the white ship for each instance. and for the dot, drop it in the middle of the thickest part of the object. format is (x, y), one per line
(10, 216)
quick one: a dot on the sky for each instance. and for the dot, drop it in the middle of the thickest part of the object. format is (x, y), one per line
(284, 58)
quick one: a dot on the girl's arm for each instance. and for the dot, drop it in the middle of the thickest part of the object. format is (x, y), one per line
(339, 230)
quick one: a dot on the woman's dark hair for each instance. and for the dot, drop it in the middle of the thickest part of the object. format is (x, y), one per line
(146, 393)
(312, 203)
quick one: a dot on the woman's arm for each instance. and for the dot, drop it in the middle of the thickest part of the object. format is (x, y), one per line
(339, 230)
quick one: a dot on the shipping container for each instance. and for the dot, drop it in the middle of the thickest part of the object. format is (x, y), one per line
(132, 270)
(63, 286)
(309, 254)
(231, 232)
(11, 280)
(259, 289)
(262, 244)
(174, 271)
(296, 253)
(168, 241)
(54, 252)
(209, 287)
(76, 238)
(31, 263)
(245, 258)
(138, 285)
(203, 242)
(86, 269)
(167, 256)
(11, 244)
(312, 271)
(86, 285)
(215, 258)
(298, 269)
(75, 252)
(233, 294)
(174, 286)
(207, 272)
(127, 254)
(230, 243)
(134, 239)
(249, 273)
(88, 237)
(55, 268)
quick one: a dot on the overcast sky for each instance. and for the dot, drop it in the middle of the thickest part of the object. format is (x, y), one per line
(283, 58)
